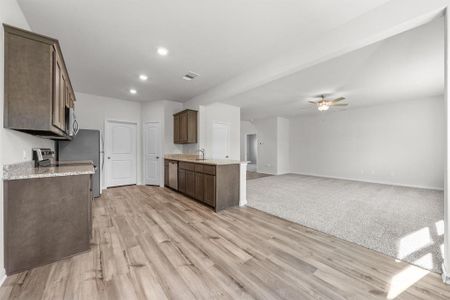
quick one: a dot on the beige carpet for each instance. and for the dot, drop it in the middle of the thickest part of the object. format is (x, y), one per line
(255, 175)
(405, 223)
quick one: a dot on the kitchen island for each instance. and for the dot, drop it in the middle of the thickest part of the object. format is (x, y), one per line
(47, 213)
(216, 183)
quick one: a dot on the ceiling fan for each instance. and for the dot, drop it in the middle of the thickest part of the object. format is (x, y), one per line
(324, 104)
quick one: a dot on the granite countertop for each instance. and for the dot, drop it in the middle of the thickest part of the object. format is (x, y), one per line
(195, 159)
(27, 170)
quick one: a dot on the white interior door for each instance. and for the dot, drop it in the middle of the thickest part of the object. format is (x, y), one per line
(152, 153)
(120, 139)
(220, 140)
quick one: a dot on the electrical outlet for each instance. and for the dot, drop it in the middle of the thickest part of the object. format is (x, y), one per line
(24, 154)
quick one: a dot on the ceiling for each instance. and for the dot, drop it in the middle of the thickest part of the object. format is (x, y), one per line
(108, 43)
(408, 66)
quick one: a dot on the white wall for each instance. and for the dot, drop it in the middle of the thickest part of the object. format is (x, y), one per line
(14, 146)
(207, 116)
(162, 112)
(267, 145)
(401, 143)
(283, 146)
(228, 114)
(246, 128)
(170, 108)
(273, 145)
(92, 112)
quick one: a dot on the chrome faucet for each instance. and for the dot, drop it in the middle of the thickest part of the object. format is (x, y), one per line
(203, 153)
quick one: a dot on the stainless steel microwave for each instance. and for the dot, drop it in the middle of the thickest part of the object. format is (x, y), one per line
(72, 124)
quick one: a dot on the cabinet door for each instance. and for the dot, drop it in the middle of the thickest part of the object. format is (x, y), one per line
(192, 127)
(67, 98)
(72, 99)
(182, 181)
(209, 196)
(58, 92)
(183, 127)
(190, 184)
(176, 129)
(166, 174)
(199, 189)
(62, 104)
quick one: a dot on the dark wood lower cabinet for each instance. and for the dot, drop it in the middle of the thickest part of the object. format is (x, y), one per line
(215, 185)
(166, 173)
(182, 180)
(199, 186)
(46, 219)
(210, 190)
(190, 184)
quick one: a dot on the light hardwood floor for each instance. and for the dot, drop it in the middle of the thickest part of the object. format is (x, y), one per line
(152, 243)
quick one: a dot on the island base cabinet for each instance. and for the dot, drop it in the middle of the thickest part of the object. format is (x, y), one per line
(227, 186)
(214, 185)
(199, 186)
(190, 184)
(46, 219)
(182, 181)
(210, 189)
(166, 173)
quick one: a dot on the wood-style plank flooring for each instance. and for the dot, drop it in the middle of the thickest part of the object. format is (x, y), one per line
(152, 243)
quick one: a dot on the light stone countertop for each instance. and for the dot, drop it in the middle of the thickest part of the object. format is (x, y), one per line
(27, 170)
(192, 158)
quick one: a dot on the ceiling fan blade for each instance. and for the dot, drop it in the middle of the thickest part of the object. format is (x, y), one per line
(340, 104)
(313, 102)
(338, 99)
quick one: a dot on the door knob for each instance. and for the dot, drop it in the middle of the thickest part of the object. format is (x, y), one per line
(157, 157)
(109, 157)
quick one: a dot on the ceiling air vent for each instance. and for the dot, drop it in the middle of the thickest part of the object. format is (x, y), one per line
(190, 76)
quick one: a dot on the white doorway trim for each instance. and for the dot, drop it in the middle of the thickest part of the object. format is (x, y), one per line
(246, 146)
(252, 167)
(158, 154)
(107, 150)
(446, 254)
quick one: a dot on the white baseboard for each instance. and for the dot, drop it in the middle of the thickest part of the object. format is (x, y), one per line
(372, 181)
(445, 275)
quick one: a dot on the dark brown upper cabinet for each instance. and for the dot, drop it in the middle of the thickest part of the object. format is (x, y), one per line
(185, 127)
(38, 92)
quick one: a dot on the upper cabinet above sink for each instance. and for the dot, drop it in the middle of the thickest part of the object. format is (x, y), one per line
(185, 127)
(38, 92)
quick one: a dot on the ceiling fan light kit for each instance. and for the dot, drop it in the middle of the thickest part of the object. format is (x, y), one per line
(325, 104)
(323, 107)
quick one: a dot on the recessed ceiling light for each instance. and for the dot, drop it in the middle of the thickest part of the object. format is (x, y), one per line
(143, 77)
(133, 91)
(163, 51)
